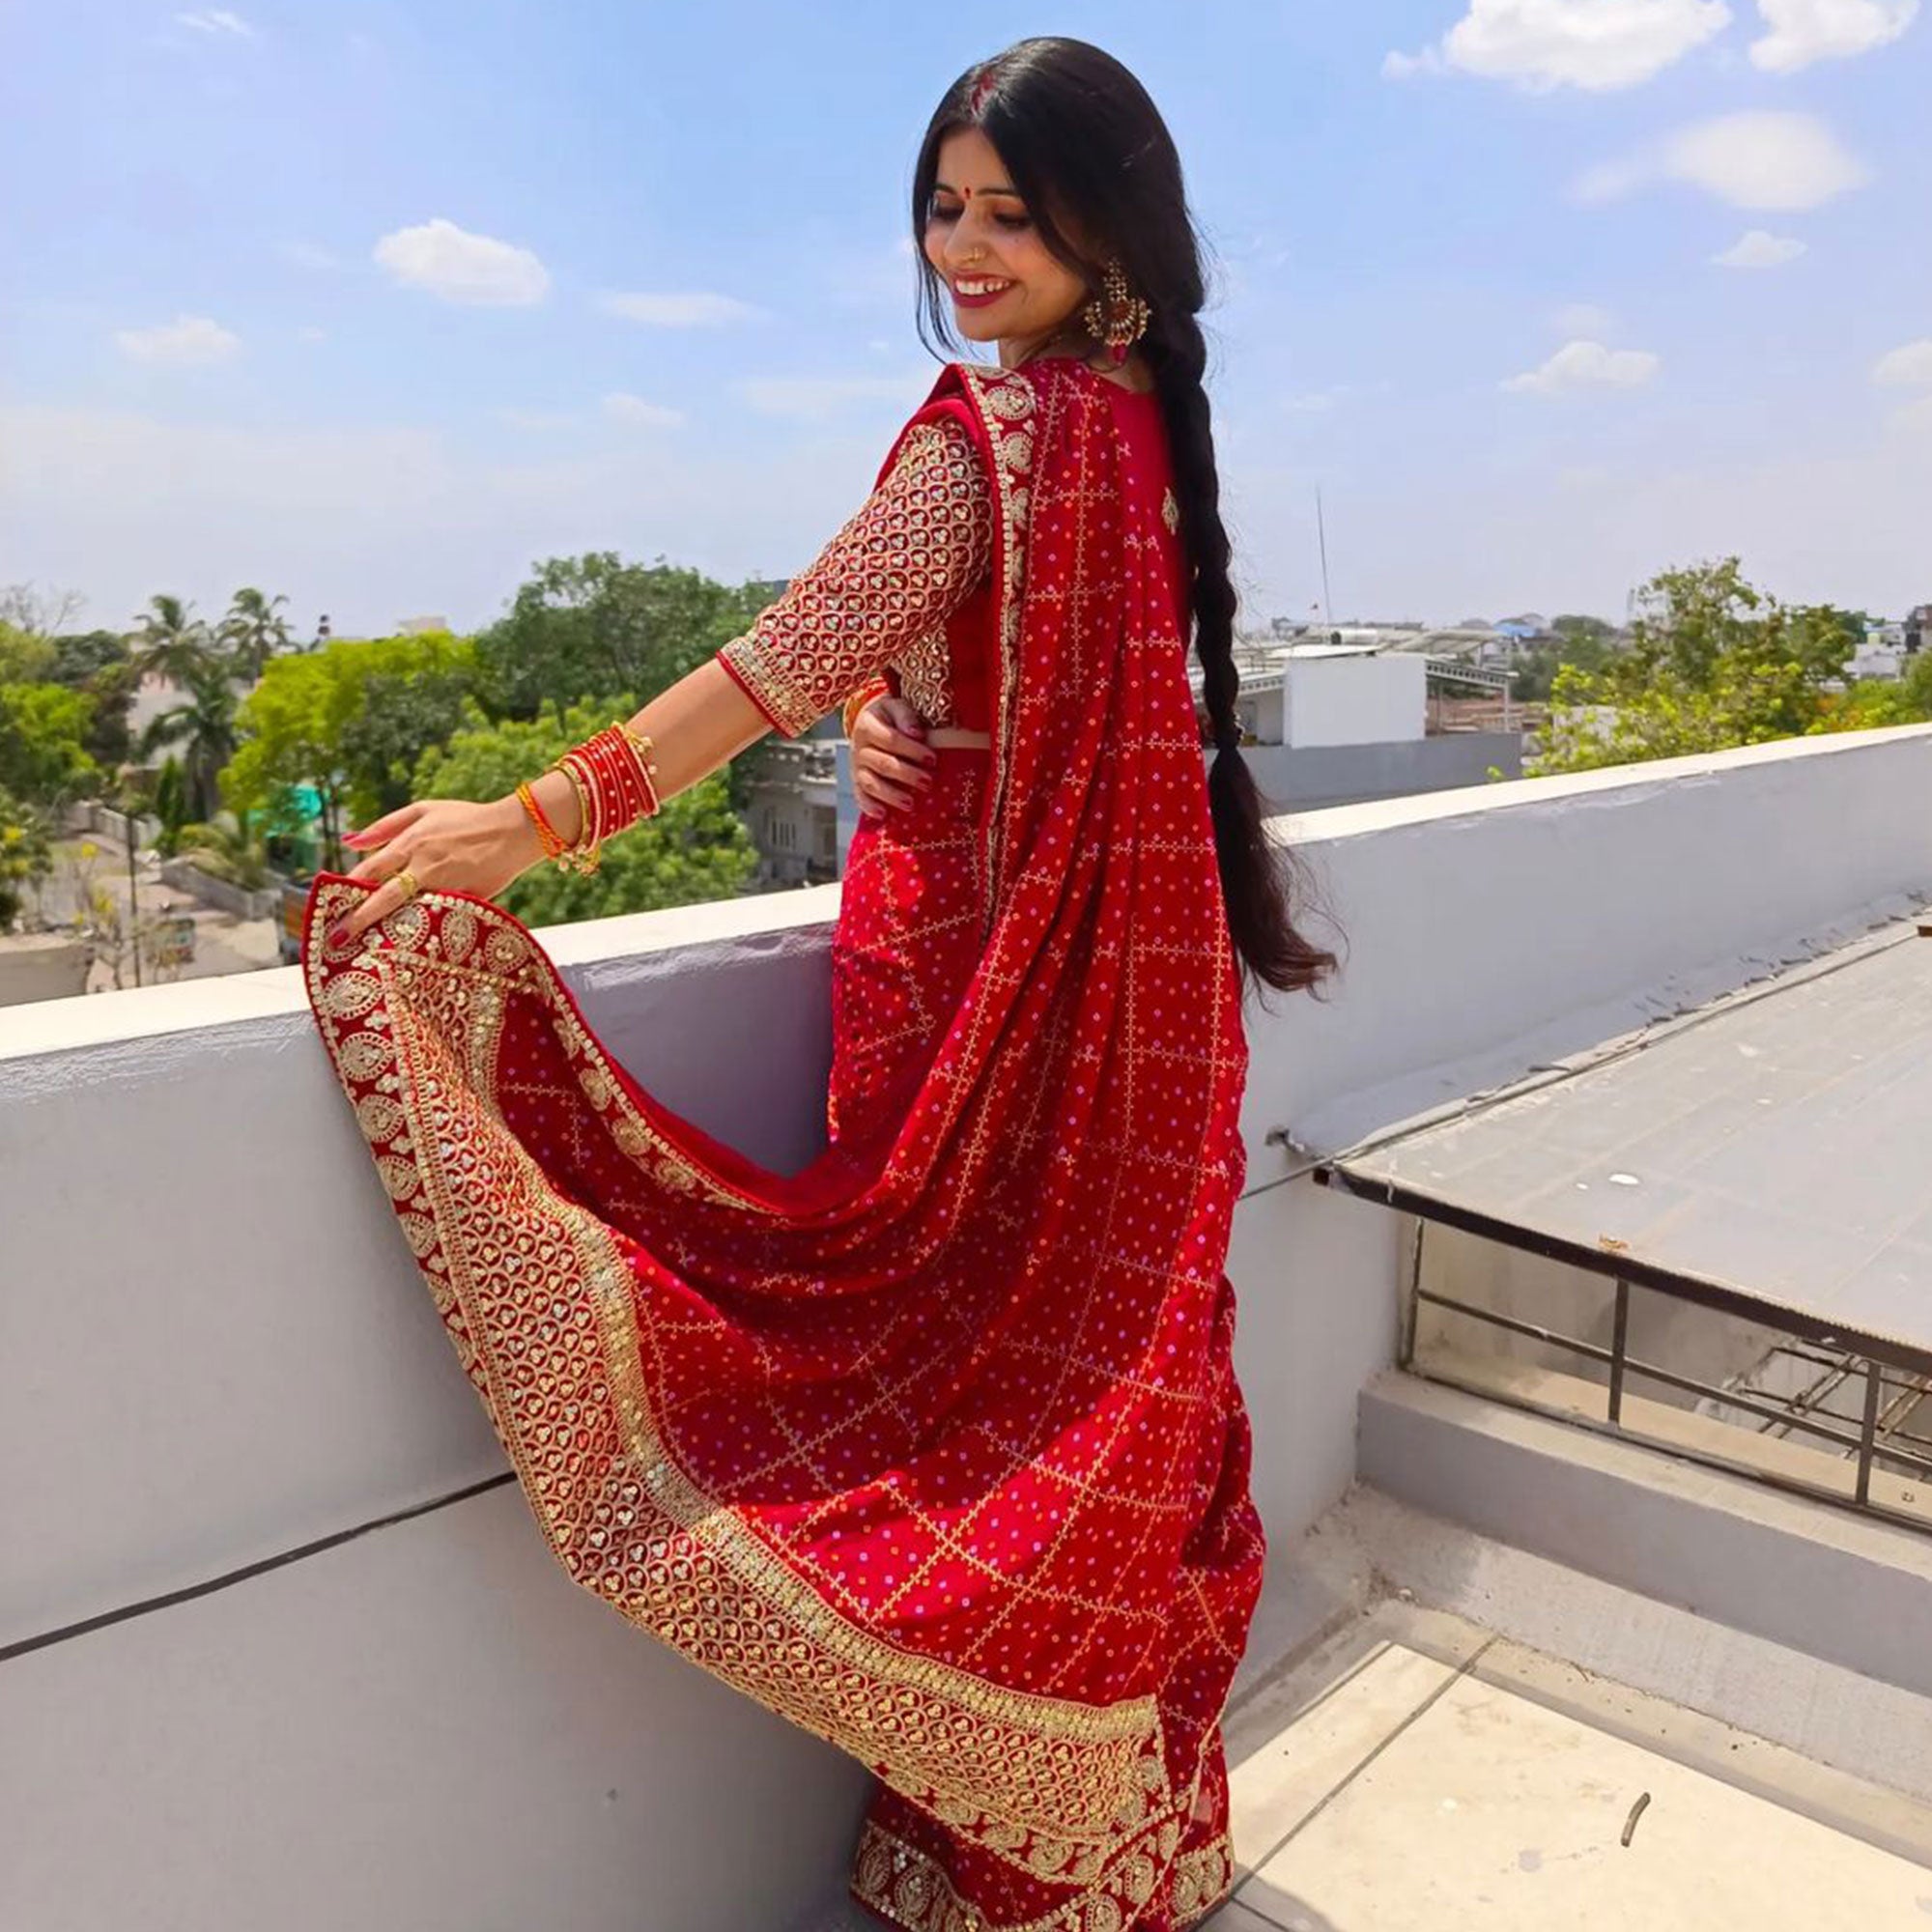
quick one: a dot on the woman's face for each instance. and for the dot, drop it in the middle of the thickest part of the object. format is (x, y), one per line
(981, 240)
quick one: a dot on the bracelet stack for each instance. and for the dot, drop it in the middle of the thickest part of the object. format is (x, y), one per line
(615, 776)
(873, 687)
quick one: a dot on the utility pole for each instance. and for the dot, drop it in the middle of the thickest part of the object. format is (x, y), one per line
(133, 885)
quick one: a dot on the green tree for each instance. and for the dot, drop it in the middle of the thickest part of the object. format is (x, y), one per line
(24, 657)
(595, 626)
(203, 726)
(82, 656)
(415, 693)
(1712, 662)
(1915, 685)
(44, 756)
(292, 728)
(26, 855)
(97, 662)
(169, 640)
(1587, 642)
(254, 631)
(171, 805)
(696, 849)
(351, 721)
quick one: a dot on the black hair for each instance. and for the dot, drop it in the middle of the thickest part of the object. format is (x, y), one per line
(1089, 152)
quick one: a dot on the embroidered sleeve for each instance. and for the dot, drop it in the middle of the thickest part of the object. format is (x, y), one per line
(915, 552)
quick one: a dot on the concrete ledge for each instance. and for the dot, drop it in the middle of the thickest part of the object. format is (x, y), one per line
(1833, 1585)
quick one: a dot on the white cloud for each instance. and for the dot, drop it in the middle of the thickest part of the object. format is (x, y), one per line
(1585, 318)
(181, 343)
(1774, 162)
(310, 333)
(694, 309)
(1597, 44)
(820, 398)
(1586, 365)
(1909, 366)
(217, 20)
(1803, 31)
(638, 413)
(1765, 160)
(460, 266)
(1760, 248)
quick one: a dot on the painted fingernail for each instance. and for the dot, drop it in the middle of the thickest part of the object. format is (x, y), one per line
(336, 935)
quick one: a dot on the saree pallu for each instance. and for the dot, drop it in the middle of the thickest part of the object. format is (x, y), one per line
(934, 1447)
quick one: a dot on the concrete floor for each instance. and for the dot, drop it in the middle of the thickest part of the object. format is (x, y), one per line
(1418, 1773)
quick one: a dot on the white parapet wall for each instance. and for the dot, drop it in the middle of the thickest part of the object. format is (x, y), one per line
(214, 1348)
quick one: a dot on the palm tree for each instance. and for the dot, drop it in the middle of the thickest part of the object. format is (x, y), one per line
(254, 631)
(169, 641)
(204, 727)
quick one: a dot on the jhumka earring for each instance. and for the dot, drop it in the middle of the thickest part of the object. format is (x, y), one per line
(1117, 316)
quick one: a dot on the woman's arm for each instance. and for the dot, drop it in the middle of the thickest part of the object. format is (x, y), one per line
(912, 554)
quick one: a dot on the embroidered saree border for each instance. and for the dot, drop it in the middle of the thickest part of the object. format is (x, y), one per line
(1005, 406)
(902, 1884)
(537, 1296)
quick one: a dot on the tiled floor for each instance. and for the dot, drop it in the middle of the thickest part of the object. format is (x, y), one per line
(1419, 1775)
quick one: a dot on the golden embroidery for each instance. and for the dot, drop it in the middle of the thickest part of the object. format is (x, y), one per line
(898, 1881)
(1170, 510)
(1006, 402)
(541, 1305)
(913, 553)
(925, 677)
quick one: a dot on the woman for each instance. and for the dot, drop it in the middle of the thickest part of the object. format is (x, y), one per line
(934, 1446)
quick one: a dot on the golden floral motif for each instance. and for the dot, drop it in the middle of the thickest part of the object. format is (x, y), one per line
(381, 1118)
(349, 995)
(459, 933)
(365, 1055)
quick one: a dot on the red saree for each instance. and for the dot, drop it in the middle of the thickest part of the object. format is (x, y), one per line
(935, 1447)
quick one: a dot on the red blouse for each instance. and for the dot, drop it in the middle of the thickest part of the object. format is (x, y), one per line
(905, 589)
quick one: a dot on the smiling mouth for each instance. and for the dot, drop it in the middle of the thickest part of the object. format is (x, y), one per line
(978, 288)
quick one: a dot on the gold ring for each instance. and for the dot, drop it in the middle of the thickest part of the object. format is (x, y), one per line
(407, 879)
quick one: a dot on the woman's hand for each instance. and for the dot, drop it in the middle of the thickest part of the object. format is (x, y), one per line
(447, 845)
(889, 755)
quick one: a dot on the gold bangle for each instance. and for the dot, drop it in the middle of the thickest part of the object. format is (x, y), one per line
(584, 853)
(643, 751)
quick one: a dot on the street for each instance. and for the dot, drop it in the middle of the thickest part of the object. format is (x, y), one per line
(223, 943)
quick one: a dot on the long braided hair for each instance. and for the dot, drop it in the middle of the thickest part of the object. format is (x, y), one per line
(1089, 152)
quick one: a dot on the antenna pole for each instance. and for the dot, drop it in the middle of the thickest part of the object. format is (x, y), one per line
(1321, 535)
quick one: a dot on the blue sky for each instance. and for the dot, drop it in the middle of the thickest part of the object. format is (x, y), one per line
(373, 301)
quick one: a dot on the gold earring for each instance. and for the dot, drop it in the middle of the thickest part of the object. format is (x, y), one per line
(1117, 316)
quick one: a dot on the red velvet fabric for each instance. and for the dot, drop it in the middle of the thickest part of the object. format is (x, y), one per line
(935, 1447)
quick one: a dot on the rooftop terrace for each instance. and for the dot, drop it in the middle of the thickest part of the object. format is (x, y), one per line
(278, 1647)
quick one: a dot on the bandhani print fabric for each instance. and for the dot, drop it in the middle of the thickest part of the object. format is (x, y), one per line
(933, 1447)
